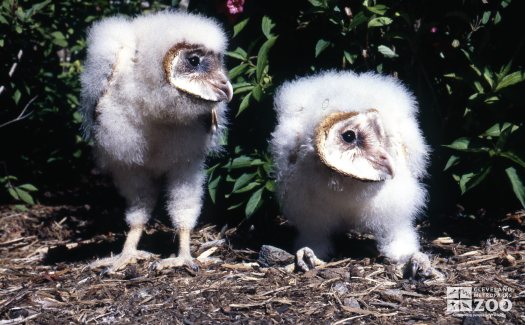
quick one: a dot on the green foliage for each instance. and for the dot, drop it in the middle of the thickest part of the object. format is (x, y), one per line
(20, 193)
(456, 56)
(243, 180)
(42, 45)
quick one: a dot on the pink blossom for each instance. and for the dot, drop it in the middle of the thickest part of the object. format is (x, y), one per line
(235, 7)
(433, 30)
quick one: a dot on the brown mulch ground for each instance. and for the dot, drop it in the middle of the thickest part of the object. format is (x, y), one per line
(44, 278)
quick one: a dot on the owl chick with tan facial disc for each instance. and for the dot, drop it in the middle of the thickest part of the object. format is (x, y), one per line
(349, 154)
(154, 93)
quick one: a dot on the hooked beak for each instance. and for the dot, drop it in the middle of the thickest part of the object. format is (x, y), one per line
(383, 162)
(223, 88)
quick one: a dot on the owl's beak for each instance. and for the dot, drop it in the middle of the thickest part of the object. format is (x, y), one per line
(383, 162)
(223, 88)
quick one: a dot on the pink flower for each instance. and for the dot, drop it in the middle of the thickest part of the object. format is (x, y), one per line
(433, 30)
(235, 7)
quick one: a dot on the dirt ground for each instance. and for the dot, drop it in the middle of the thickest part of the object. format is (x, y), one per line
(45, 278)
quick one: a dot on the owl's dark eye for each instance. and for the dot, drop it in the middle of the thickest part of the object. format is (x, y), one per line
(194, 60)
(348, 136)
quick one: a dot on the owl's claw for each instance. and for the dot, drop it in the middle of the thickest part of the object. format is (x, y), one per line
(306, 259)
(420, 267)
(178, 261)
(120, 261)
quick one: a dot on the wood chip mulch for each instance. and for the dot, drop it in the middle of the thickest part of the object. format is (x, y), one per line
(45, 279)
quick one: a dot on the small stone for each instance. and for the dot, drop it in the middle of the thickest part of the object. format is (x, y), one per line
(351, 302)
(273, 256)
(341, 288)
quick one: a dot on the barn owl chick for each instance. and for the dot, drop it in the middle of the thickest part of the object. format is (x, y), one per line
(154, 90)
(348, 154)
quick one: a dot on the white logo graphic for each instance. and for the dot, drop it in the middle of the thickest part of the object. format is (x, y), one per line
(482, 301)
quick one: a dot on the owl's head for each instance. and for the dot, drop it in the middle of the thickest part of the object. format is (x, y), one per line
(354, 144)
(198, 71)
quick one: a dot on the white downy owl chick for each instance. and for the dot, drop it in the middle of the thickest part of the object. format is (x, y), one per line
(153, 99)
(349, 154)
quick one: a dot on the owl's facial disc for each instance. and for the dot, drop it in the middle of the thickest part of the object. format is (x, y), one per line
(353, 144)
(198, 72)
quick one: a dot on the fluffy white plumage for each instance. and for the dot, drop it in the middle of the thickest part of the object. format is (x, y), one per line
(153, 99)
(319, 200)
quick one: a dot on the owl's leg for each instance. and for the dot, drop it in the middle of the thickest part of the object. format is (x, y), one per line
(140, 192)
(401, 245)
(185, 191)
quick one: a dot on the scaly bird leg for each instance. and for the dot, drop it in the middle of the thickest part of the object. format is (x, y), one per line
(129, 255)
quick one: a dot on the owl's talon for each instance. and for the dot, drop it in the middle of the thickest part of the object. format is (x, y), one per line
(306, 259)
(420, 267)
(173, 262)
(120, 261)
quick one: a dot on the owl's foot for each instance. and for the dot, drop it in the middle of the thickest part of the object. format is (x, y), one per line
(190, 262)
(306, 259)
(120, 261)
(178, 261)
(420, 267)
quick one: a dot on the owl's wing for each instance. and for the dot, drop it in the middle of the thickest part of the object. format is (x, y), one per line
(111, 44)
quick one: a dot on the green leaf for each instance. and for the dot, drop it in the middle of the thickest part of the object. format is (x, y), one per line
(238, 54)
(489, 76)
(247, 188)
(242, 87)
(379, 21)
(485, 18)
(13, 193)
(40, 6)
(452, 161)
(257, 92)
(21, 207)
(517, 184)
(319, 3)
(453, 76)
(497, 18)
(244, 104)
(16, 96)
(472, 179)
(243, 180)
(513, 157)
(321, 46)
(386, 51)
(349, 57)
(24, 196)
(28, 187)
(467, 145)
(357, 20)
(267, 25)
(240, 26)
(59, 39)
(237, 70)
(262, 57)
(378, 9)
(270, 186)
(212, 188)
(254, 202)
(497, 129)
(479, 87)
(511, 79)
